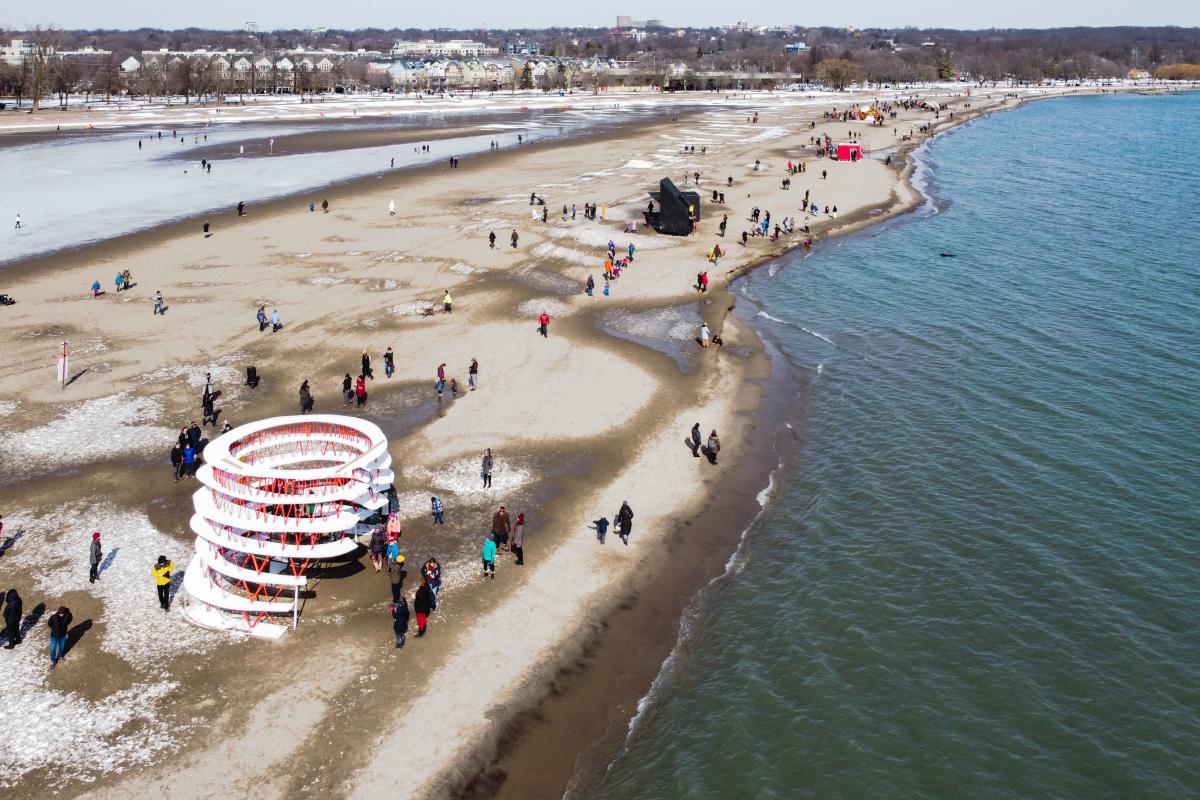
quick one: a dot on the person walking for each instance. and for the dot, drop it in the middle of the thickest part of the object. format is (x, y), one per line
(518, 539)
(485, 470)
(158, 304)
(423, 604)
(713, 447)
(59, 625)
(514, 238)
(624, 521)
(210, 410)
(441, 378)
(306, 398)
(366, 366)
(591, 286)
(177, 462)
(391, 207)
(261, 315)
(473, 374)
(378, 546)
(436, 504)
(601, 529)
(389, 362)
(492, 240)
(276, 321)
(696, 440)
(705, 334)
(395, 568)
(14, 609)
(489, 556)
(348, 389)
(325, 206)
(161, 571)
(399, 610)
(360, 391)
(18, 225)
(544, 325)
(448, 302)
(94, 556)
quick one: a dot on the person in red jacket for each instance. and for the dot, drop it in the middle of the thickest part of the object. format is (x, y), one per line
(360, 390)
(544, 324)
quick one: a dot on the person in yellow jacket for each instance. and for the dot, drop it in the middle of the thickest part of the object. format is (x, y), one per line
(447, 302)
(162, 578)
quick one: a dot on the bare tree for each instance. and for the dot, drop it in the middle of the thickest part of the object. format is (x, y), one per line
(43, 49)
(838, 73)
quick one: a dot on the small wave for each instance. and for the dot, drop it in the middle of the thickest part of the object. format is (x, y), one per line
(820, 368)
(691, 614)
(820, 336)
(773, 319)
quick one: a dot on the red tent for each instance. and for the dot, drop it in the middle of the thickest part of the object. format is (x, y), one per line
(849, 152)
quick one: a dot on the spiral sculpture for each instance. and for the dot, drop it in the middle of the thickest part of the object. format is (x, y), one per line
(278, 495)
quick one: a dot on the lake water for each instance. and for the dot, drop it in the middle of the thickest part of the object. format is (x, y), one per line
(978, 575)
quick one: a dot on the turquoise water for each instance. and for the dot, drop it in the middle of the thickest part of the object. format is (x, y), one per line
(979, 573)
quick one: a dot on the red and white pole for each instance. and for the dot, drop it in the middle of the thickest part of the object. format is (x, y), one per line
(64, 361)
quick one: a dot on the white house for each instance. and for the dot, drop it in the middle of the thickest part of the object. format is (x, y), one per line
(130, 65)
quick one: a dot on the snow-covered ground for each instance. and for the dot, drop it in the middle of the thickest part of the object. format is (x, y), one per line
(117, 425)
(51, 725)
(81, 189)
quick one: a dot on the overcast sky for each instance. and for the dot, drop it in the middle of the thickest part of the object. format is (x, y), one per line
(539, 13)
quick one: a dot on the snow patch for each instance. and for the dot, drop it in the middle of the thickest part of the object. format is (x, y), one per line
(411, 309)
(106, 426)
(462, 476)
(568, 254)
(553, 306)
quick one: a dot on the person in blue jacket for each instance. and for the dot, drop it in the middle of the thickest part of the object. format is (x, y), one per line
(489, 556)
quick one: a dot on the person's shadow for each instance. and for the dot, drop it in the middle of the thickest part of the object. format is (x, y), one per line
(108, 560)
(690, 445)
(9, 541)
(32, 618)
(75, 634)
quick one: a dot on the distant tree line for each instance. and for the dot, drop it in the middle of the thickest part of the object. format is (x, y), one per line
(831, 56)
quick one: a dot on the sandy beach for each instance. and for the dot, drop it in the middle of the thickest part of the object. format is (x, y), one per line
(524, 683)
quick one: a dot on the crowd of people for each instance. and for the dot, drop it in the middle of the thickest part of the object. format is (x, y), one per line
(385, 542)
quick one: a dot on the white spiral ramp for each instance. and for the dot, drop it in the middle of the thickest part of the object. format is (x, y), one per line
(277, 496)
